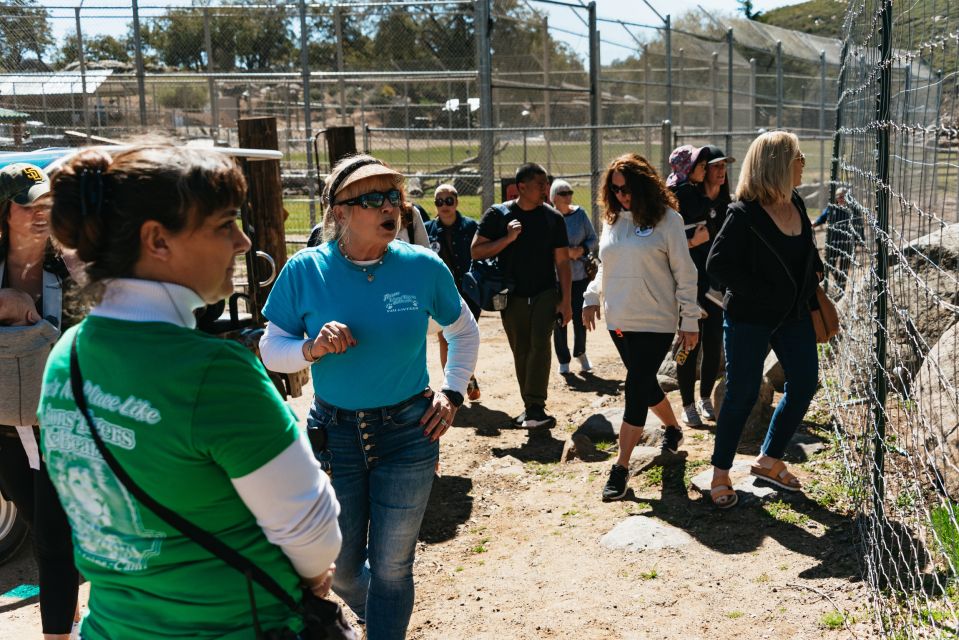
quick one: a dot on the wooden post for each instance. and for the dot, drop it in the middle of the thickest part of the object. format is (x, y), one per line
(263, 214)
(264, 219)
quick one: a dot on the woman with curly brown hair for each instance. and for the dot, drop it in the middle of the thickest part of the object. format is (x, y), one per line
(647, 283)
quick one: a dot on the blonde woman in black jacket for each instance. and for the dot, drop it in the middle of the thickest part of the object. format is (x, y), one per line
(766, 259)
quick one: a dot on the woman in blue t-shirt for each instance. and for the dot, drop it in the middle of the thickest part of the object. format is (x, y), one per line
(355, 309)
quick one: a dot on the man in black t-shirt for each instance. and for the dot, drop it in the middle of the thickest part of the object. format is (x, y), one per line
(531, 244)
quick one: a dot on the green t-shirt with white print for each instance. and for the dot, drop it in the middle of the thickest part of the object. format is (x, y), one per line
(183, 413)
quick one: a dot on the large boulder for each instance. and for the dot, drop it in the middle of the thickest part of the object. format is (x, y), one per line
(937, 402)
(773, 373)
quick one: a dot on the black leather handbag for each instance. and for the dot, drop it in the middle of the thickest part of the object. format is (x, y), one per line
(323, 619)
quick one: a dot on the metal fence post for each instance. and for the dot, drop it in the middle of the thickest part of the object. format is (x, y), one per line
(822, 119)
(595, 96)
(211, 83)
(730, 116)
(752, 95)
(665, 146)
(669, 67)
(83, 74)
(779, 84)
(484, 64)
(138, 55)
(311, 174)
(714, 87)
(547, 107)
(883, 101)
(647, 117)
(681, 116)
(338, 21)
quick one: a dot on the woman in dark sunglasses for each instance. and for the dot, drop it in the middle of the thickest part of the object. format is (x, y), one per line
(450, 235)
(355, 309)
(647, 285)
(582, 242)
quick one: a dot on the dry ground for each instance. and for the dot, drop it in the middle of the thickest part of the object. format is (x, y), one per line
(510, 548)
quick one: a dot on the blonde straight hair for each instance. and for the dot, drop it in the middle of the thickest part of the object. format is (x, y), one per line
(766, 173)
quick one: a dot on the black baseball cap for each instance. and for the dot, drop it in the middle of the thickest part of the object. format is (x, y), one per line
(23, 183)
(712, 153)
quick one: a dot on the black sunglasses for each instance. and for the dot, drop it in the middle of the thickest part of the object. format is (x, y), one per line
(617, 189)
(564, 193)
(449, 201)
(374, 199)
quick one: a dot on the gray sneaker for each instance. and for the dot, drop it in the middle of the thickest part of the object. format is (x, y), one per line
(705, 406)
(691, 416)
(616, 484)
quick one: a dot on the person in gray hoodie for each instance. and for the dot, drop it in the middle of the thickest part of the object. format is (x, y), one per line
(647, 284)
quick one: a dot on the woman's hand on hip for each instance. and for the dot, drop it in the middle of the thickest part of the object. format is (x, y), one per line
(334, 337)
(439, 417)
(689, 339)
(590, 315)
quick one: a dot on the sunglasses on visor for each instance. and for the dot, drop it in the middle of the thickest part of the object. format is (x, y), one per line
(374, 199)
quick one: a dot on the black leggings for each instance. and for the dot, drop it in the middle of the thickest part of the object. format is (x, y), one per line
(711, 342)
(37, 502)
(642, 353)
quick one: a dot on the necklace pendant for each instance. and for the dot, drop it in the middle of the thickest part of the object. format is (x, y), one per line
(369, 277)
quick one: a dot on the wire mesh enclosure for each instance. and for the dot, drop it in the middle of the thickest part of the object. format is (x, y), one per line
(893, 265)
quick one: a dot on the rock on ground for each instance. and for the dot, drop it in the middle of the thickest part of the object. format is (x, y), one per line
(758, 421)
(639, 533)
(935, 393)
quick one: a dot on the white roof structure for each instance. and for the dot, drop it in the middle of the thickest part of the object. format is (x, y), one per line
(61, 83)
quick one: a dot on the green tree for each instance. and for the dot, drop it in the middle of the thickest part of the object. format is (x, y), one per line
(24, 29)
(95, 48)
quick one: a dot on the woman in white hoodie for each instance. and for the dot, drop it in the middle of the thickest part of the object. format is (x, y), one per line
(647, 283)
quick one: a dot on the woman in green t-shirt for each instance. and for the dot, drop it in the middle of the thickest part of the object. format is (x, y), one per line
(193, 419)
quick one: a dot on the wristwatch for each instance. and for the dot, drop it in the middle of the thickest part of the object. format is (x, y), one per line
(455, 397)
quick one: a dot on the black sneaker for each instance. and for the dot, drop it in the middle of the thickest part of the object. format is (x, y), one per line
(535, 418)
(672, 439)
(616, 484)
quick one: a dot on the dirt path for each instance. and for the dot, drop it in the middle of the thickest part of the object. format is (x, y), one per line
(510, 545)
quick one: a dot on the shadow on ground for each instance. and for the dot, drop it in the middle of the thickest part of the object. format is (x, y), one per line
(450, 505)
(590, 382)
(540, 446)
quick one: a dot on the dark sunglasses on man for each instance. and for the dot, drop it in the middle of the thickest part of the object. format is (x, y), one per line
(565, 194)
(374, 199)
(449, 201)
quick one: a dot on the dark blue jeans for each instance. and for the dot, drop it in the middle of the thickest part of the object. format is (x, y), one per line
(560, 343)
(383, 469)
(794, 342)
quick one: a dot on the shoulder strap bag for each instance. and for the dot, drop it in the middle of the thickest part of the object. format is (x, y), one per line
(323, 619)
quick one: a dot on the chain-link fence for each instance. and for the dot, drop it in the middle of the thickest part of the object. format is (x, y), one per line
(412, 69)
(892, 256)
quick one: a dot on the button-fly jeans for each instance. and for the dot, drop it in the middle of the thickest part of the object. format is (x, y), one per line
(382, 467)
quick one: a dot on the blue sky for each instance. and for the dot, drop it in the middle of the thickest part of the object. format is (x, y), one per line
(111, 17)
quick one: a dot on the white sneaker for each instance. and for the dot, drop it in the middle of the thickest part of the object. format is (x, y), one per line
(691, 416)
(584, 363)
(705, 406)
(563, 367)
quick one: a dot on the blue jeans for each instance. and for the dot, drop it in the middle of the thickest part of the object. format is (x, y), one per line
(794, 342)
(383, 469)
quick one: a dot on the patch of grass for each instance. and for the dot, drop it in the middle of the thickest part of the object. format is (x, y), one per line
(832, 620)
(458, 569)
(541, 469)
(481, 547)
(927, 615)
(784, 567)
(784, 513)
(763, 578)
(652, 574)
(571, 512)
(692, 468)
(698, 437)
(606, 445)
(651, 477)
(943, 520)
(735, 615)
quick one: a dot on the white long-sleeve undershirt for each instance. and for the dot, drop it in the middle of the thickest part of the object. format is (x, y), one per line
(283, 352)
(293, 502)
